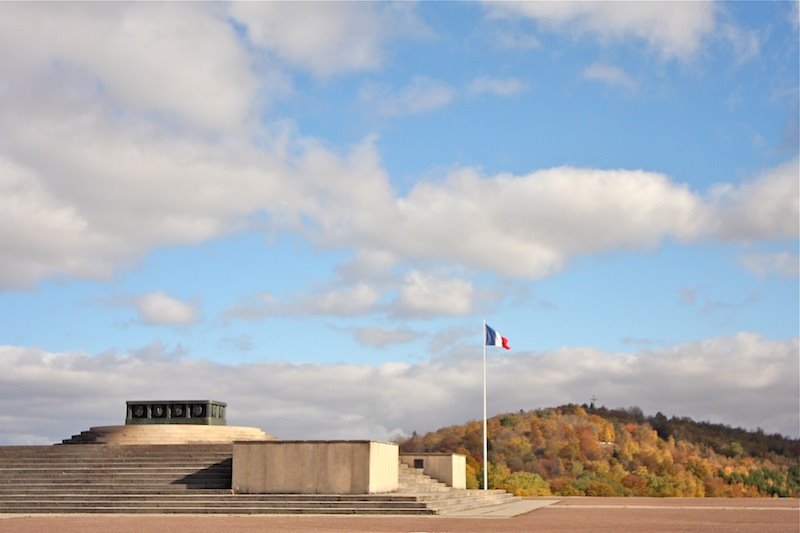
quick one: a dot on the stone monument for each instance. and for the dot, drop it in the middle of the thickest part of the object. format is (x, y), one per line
(171, 422)
(200, 412)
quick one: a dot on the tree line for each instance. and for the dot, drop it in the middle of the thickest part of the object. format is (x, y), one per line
(576, 450)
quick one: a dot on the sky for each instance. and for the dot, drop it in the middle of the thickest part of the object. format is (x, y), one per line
(307, 210)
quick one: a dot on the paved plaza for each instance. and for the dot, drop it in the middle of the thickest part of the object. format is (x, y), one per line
(547, 514)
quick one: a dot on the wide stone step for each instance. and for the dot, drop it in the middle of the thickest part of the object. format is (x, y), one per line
(142, 459)
(102, 468)
(218, 495)
(177, 454)
(216, 484)
(224, 509)
(104, 452)
(8, 466)
(232, 503)
(202, 483)
(78, 467)
(449, 509)
(114, 475)
(422, 487)
(28, 491)
(109, 450)
(468, 501)
(445, 499)
(212, 458)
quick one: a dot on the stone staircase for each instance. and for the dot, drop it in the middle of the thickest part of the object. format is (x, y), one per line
(443, 499)
(193, 478)
(157, 479)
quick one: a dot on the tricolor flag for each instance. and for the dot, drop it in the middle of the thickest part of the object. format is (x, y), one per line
(494, 339)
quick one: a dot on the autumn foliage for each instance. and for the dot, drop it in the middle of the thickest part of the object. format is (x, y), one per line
(580, 451)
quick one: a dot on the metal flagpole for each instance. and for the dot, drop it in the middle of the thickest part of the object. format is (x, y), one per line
(485, 441)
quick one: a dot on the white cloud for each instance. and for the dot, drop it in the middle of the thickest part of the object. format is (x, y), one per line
(173, 191)
(41, 235)
(113, 148)
(158, 309)
(743, 380)
(178, 60)
(424, 294)
(765, 208)
(674, 29)
(116, 192)
(331, 37)
(422, 95)
(529, 226)
(111, 165)
(779, 263)
(609, 74)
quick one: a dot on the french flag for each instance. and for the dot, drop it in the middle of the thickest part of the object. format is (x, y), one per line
(494, 339)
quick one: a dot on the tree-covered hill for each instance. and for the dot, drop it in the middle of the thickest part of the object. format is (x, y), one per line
(578, 450)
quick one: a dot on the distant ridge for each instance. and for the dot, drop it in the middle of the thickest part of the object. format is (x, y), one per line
(575, 450)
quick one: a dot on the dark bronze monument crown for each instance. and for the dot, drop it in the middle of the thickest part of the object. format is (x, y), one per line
(205, 412)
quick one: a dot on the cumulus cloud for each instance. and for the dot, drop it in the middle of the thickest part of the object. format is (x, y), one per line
(528, 226)
(112, 149)
(424, 294)
(744, 380)
(110, 166)
(172, 191)
(531, 225)
(333, 36)
(674, 30)
(765, 208)
(202, 74)
(117, 192)
(610, 75)
(42, 235)
(157, 309)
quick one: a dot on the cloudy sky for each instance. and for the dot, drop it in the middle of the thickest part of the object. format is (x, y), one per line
(307, 211)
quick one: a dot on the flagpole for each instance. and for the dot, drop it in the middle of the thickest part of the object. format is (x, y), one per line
(485, 441)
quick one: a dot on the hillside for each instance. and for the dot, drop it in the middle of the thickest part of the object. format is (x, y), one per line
(578, 450)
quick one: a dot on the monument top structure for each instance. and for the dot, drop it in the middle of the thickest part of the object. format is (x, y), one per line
(196, 412)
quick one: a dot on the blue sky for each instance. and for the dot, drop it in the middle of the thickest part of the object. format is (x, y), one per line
(307, 210)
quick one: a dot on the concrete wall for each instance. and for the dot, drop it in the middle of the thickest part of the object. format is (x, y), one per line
(383, 467)
(449, 468)
(314, 467)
